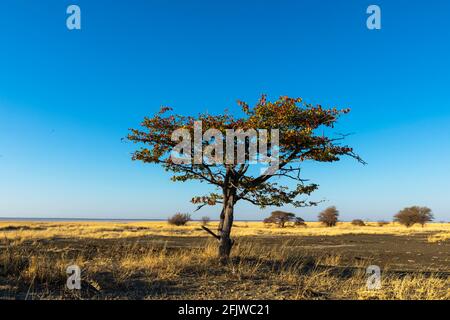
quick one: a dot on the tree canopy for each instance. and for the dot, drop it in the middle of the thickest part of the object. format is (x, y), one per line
(299, 140)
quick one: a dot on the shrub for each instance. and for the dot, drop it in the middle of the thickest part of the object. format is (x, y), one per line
(205, 220)
(382, 223)
(299, 222)
(267, 222)
(412, 215)
(179, 219)
(329, 216)
(358, 222)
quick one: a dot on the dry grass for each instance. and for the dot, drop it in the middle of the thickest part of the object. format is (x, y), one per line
(255, 273)
(439, 237)
(32, 267)
(109, 230)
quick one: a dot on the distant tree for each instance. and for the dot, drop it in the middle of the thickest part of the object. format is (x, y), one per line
(358, 222)
(412, 215)
(382, 223)
(280, 218)
(304, 132)
(179, 219)
(205, 220)
(329, 216)
(299, 222)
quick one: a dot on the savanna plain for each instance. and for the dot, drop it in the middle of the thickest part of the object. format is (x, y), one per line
(155, 260)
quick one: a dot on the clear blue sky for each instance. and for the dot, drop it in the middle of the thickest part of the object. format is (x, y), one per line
(68, 97)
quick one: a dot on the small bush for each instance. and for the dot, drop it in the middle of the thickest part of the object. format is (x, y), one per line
(205, 220)
(358, 222)
(299, 222)
(329, 216)
(268, 222)
(382, 223)
(179, 219)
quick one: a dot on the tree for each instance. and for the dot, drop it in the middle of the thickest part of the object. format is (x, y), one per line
(329, 216)
(412, 215)
(280, 218)
(301, 132)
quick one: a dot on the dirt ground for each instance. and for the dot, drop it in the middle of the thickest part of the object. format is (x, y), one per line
(398, 253)
(407, 255)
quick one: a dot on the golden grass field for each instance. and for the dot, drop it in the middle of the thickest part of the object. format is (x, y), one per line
(154, 260)
(111, 230)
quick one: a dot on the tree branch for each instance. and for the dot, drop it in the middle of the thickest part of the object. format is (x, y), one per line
(211, 232)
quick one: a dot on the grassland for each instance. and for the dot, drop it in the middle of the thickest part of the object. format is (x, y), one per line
(153, 260)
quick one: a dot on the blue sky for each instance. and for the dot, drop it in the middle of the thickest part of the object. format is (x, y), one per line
(68, 97)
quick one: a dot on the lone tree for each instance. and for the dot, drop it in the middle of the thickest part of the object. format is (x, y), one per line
(280, 218)
(302, 136)
(412, 215)
(329, 216)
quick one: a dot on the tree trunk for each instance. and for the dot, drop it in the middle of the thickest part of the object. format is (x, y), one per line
(226, 223)
(222, 218)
